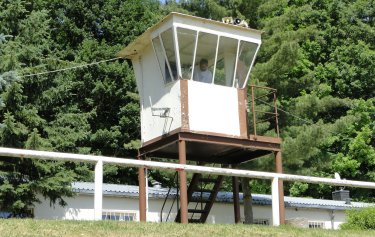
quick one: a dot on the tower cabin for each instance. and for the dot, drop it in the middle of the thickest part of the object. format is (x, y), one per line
(192, 76)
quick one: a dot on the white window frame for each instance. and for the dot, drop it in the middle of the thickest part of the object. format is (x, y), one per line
(316, 224)
(251, 65)
(110, 212)
(166, 58)
(261, 221)
(217, 49)
(194, 54)
(235, 64)
(258, 221)
(198, 30)
(177, 52)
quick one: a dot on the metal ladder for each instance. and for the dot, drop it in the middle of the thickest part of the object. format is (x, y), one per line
(201, 193)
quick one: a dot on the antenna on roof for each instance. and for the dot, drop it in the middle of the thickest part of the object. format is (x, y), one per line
(235, 21)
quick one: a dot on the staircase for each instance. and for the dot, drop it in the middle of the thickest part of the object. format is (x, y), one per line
(201, 195)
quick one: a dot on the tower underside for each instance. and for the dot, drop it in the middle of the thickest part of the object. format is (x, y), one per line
(211, 148)
(207, 148)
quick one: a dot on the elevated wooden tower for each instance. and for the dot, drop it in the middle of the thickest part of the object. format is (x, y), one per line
(191, 76)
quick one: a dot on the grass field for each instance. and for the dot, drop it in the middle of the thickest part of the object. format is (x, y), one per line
(42, 228)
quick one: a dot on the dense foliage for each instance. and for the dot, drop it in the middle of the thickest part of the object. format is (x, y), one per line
(91, 109)
(360, 219)
(319, 55)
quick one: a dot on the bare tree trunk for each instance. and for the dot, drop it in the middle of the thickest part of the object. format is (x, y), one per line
(247, 200)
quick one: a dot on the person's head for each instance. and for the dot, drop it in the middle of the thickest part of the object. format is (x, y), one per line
(203, 64)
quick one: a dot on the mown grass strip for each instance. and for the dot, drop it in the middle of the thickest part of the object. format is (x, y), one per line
(50, 228)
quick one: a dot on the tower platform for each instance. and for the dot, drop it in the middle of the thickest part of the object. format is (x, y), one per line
(211, 148)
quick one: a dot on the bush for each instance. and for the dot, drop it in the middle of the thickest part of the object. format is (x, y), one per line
(360, 219)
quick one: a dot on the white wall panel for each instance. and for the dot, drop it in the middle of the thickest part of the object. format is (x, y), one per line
(213, 108)
(155, 94)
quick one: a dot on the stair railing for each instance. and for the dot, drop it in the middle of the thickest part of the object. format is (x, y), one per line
(201, 193)
(166, 198)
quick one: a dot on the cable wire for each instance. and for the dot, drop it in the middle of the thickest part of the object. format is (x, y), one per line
(286, 112)
(113, 59)
(70, 68)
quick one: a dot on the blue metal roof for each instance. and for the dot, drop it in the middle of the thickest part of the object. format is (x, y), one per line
(258, 199)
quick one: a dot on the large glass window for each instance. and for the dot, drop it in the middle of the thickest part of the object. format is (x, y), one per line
(164, 66)
(168, 43)
(205, 57)
(186, 44)
(246, 54)
(226, 59)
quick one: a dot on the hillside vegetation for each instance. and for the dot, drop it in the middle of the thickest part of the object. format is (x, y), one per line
(319, 55)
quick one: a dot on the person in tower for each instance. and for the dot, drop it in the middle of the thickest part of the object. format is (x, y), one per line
(202, 73)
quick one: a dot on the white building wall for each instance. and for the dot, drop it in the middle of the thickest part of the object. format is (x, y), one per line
(81, 207)
(213, 108)
(318, 215)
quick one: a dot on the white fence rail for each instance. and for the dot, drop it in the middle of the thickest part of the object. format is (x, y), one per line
(100, 160)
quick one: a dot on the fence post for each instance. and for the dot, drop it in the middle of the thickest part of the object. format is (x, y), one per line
(98, 193)
(275, 202)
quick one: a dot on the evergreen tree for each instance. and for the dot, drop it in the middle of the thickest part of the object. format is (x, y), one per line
(91, 109)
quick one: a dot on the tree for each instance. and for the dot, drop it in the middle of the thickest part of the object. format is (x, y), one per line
(87, 110)
(318, 55)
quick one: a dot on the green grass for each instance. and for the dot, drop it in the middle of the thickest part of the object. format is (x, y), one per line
(43, 228)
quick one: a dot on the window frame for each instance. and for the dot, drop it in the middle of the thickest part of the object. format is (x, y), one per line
(195, 53)
(258, 221)
(165, 58)
(316, 224)
(174, 27)
(177, 53)
(251, 65)
(118, 213)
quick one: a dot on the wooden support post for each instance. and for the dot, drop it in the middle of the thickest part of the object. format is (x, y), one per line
(142, 192)
(183, 184)
(279, 169)
(236, 200)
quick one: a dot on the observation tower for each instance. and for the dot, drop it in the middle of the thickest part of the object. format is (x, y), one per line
(192, 76)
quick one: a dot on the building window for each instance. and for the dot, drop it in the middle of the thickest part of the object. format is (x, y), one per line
(205, 57)
(163, 63)
(226, 60)
(261, 222)
(258, 221)
(246, 57)
(186, 43)
(316, 224)
(206, 51)
(118, 215)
